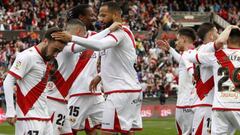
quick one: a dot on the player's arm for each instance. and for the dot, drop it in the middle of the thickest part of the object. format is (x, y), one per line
(94, 83)
(188, 65)
(115, 26)
(8, 86)
(21, 66)
(164, 45)
(201, 58)
(112, 40)
(223, 37)
(75, 48)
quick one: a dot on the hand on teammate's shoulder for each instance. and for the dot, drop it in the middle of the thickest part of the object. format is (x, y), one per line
(115, 26)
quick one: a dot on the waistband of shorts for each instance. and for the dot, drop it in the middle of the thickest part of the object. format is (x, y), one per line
(58, 99)
(184, 107)
(34, 118)
(122, 91)
(85, 94)
(201, 105)
(225, 109)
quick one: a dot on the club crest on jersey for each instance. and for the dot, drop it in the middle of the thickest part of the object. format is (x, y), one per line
(18, 65)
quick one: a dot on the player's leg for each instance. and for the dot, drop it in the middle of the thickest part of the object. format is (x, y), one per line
(220, 123)
(201, 121)
(120, 112)
(235, 120)
(62, 121)
(77, 106)
(184, 119)
(96, 112)
(34, 127)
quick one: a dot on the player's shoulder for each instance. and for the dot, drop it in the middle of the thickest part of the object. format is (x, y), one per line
(26, 54)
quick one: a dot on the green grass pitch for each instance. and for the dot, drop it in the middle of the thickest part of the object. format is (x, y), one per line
(163, 126)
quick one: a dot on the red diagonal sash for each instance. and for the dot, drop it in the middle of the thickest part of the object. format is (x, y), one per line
(204, 88)
(26, 102)
(225, 62)
(64, 86)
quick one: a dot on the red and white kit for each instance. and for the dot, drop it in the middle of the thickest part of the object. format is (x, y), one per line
(226, 107)
(31, 72)
(202, 107)
(185, 96)
(85, 108)
(119, 78)
(70, 65)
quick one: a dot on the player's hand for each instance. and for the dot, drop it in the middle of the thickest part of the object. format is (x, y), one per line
(94, 83)
(62, 36)
(164, 45)
(11, 120)
(115, 26)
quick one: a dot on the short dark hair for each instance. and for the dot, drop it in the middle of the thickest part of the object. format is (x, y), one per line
(113, 6)
(234, 36)
(204, 29)
(189, 32)
(50, 31)
(75, 22)
(74, 12)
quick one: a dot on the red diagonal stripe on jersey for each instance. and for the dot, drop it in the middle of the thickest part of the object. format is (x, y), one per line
(225, 62)
(64, 86)
(130, 35)
(26, 102)
(204, 88)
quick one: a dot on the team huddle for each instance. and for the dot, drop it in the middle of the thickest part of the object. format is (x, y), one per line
(61, 81)
(78, 79)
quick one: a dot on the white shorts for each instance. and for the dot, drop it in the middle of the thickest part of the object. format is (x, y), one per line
(34, 127)
(225, 122)
(85, 112)
(184, 120)
(122, 112)
(61, 122)
(201, 120)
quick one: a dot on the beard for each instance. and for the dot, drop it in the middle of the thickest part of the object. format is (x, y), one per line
(44, 54)
(108, 24)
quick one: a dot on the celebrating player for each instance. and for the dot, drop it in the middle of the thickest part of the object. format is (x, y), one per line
(184, 114)
(119, 78)
(30, 72)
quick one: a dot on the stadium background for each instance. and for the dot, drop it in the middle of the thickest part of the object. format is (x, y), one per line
(23, 22)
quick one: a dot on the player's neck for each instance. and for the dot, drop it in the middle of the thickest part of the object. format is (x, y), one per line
(40, 47)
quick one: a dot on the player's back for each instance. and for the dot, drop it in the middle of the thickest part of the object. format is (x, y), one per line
(117, 64)
(205, 81)
(226, 77)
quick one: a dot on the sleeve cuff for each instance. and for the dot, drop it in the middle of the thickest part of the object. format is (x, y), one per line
(15, 75)
(10, 112)
(113, 37)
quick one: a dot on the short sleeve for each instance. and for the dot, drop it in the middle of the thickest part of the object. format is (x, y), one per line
(209, 47)
(201, 58)
(21, 66)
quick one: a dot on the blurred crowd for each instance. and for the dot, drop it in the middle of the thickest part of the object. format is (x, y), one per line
(157, 72)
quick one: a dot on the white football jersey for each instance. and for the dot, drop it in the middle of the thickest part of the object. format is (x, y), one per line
(185, 84)
(32, 73)
(226, 67)
(117, 64)
(204, 79)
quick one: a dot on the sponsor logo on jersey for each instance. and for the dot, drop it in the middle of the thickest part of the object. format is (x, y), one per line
(18, 65)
